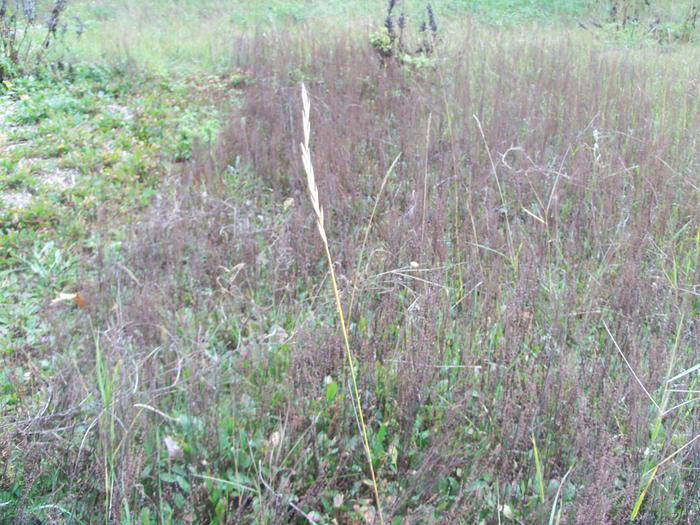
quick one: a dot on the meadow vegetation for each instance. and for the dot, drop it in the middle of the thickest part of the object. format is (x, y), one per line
(494, 319)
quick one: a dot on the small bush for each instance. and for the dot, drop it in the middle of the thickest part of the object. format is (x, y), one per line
(27, 29)
(391, 40)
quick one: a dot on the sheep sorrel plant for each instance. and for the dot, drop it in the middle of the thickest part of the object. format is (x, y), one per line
(318, 211)
(510, 331)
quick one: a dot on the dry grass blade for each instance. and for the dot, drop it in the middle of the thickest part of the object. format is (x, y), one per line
(425, 178)
(360, 258)
(313, 192)
(630, 367)
(554, 516)
(670, 457)
(511, 249)
(684, 373)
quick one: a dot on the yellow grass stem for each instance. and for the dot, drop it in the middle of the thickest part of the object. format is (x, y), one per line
(642, 495)
(318, 211)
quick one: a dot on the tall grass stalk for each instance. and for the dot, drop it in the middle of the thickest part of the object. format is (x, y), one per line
(511, 250)
(360, 258)
(106, 382)
(425, 178)
(656, 435)
(318, 211)
(629, 366)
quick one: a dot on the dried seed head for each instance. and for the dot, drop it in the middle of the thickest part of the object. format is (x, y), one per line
(29, 9)
(389, 24)
(308, 166)
(431, 19)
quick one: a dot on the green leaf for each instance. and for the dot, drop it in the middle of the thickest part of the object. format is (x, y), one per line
(145, 516)
(220, 510)
(183, 483)
(331, 391)
(642, 495)
(538, 468)
(381, 436)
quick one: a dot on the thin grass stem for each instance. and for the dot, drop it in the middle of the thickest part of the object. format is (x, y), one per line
(318, 211)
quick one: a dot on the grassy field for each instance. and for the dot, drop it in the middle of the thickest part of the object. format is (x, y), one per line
(495, 319)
